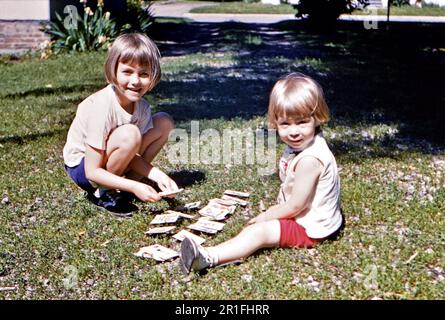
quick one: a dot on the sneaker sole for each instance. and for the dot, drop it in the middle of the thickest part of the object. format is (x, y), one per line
(187, 255)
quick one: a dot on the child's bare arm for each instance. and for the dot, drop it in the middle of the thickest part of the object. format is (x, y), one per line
(142, 167)
(95, 172)
(307, 171)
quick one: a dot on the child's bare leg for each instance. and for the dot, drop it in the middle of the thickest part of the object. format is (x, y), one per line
(256, 236)
(123, 144)
(155, 138)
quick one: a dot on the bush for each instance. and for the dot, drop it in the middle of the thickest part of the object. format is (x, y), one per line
(326, 11)
(399, 3)
(92, 31)
(95, 30)
(139, 16)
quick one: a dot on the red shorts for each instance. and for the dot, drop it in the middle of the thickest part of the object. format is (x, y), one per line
(294, 235)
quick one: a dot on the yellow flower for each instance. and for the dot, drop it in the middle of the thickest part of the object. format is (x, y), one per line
(100, 3)
(89, 11)
(102, 39)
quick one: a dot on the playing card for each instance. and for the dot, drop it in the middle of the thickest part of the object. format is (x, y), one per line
(184, 233)
(215, 210)
(160, 230)
(169, 192)
(237, 193)
(157, 252)
(238, 201)
(224, 202)
(207, 226)
(192, 205)
(165, 218)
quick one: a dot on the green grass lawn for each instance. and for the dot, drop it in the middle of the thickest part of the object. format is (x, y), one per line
(386, 134)
(409, 11)
(242, 7)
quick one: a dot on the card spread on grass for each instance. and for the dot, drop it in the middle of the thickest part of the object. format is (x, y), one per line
(170, 192)
(237, 193)
(224, 202)
(192, 205)
(215, 211)
(184, 233)
(180, 214)
(165, 218)
(238, 201)
(207, 226)
(157, 252)
(160, 230)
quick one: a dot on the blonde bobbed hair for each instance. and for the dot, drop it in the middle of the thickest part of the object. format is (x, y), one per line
(297, 96)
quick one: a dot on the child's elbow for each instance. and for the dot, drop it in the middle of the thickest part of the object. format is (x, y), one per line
(295, 208)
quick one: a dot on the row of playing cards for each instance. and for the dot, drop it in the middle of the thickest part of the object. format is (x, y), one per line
(216, 209)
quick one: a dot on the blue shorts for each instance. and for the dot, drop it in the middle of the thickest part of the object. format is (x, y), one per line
(77, 173)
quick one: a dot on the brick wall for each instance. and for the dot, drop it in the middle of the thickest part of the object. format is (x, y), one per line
(20, 35)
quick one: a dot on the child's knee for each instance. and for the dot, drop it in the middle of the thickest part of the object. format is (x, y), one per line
(163, 121)
(129, 137)
(268, 232)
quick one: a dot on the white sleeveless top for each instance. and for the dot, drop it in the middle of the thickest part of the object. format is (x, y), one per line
(323, 216)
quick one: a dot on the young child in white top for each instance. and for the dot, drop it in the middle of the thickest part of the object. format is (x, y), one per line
(114, 137)
(308, 209)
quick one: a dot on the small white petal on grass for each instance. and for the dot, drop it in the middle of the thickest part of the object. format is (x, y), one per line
(247, 277)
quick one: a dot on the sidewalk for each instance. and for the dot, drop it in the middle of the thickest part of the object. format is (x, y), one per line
(182, 10)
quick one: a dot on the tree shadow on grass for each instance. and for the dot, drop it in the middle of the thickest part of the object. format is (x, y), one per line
(44, 91)
(369, 76)
(29, 137)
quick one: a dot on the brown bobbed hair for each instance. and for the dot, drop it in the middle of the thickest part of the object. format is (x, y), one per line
(134, 48)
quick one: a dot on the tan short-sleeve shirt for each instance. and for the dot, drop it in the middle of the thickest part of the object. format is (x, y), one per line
(96, 117)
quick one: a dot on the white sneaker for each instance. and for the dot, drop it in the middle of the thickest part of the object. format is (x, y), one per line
(194, 256)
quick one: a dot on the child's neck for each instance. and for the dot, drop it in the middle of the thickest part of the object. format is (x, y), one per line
(127, 105)
(129, 108)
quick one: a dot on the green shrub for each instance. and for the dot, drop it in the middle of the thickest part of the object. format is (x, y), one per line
(92, 31)
(400, 3)
(95, 30)
(326, 11)
(139, 16)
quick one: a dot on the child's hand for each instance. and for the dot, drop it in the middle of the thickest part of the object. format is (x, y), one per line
(164, 182)
(145, 192)
(259, 218)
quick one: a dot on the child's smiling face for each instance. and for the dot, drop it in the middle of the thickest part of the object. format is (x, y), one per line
(132, 82)
(296, 133)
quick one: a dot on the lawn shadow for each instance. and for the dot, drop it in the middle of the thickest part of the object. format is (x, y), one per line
(29, 137)
(186, 178)
(45, 91)
(370, 77)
